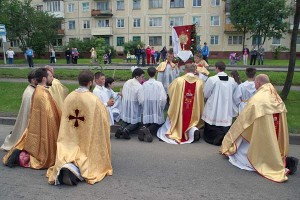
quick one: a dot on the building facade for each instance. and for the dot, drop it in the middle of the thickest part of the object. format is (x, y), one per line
(150, 21)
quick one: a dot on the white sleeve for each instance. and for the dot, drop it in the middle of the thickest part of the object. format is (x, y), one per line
(141, 95)
(237, 95)
(208, 88)
(163, 97)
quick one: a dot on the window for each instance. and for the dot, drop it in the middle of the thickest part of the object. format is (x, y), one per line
(72, 25)
(177, 4)
(256, 40)
(196, 20)
(120, 41)
(136, 5)
(103, 23)
(235, 39)
(155, 22)
(155, 3)
(136, 22)
(57, 42)
(136, 38)
(215, 20)
(215, 2)
(298, 39)
(14, 43)
(120, 4)
(85, 7)
(198, 39)
(39, 7)
(71, 7)
(120, 23)
(86, 24)
(53, 6)
(196, 3)
(102, 5)
(176, 21)
(155, 40)
(276, 41)
(214, 39)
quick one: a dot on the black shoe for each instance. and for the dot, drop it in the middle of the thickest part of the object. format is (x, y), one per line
(148, 135)
(119, 133)
(196, 135)
(126, 134)
(141, 133)
(291, 164)
(13, 159)
(67, 177)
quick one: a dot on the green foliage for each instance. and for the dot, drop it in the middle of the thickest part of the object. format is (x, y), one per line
(277, 50)
(131, 46)
(33, 28)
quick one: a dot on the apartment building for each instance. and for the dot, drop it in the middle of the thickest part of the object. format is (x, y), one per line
(150, 21)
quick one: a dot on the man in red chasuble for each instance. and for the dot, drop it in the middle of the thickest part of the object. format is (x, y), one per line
(185, 111)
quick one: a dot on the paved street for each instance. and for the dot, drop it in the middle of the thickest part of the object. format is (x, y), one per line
(154, 171)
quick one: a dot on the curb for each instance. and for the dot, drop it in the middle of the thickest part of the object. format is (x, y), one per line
(293, 138)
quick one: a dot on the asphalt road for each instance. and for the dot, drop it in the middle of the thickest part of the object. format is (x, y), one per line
(153, 171)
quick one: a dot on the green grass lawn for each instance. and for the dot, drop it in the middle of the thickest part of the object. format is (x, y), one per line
(277, 78)
(11, 95)
(87, 61)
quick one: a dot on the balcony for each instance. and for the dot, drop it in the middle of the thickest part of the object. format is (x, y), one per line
(102, 31)
(229, 28)
(101, 13)
(60, 32)
(57, 14)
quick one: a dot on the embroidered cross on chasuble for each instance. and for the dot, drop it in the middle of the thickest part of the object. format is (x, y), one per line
(76, 118)
(187, 108)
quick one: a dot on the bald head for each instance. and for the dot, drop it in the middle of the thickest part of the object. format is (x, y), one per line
(190, 68)
(260, 80)
(49, 68)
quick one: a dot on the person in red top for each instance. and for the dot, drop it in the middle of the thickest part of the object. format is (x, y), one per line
(148, 54)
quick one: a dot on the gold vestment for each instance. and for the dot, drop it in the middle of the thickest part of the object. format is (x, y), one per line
(59, 92)
(162, 66)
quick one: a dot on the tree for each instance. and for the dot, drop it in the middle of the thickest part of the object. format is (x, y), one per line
(131, 46)
(292, 60)
(31, 27)
(264, 19)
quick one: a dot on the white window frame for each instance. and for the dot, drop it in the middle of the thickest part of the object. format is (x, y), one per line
(197, 3)
(196, 20)
(214, 20)
(105, 5)
(136, 4)
(155, 22)
(177, 4)
(71, 7)
(136, 22)
(74, 24)
(120, 5)
(85, 6)
(215, 3)
(176, 21)
(120, 22)
(214, 40)
(235, 39)
(103, 23)
(86, 24)
(53, 6)
(276, 41)
(155, 4)
(298, 40)
(155, 39)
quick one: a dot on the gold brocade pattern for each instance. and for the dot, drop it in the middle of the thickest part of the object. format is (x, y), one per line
(162, 66)
(59, 92)
(87, 144)
(39, 138)
(201, 67)
(175, 91)
(256, 125)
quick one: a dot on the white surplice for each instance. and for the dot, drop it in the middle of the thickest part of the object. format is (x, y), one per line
(203, 77)
(102, 93)
(21, 121)
(154, 103)
(132, 101)
(117, 107)
(219, 107)
(167, 76)
(243, 93)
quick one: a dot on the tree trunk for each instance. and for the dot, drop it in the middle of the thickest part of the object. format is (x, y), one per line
(292, 59)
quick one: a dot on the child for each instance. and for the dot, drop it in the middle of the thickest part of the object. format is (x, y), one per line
(116, 108)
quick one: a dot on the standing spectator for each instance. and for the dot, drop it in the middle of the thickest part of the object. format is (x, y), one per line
(253, 54)
(143, 54)
(68, 55)
(72, 53)
(261, 53)
(245, 55)
(52, 56)
(93, 55)
(163, 53)
(10, 55)
(76, 55)
(152, 56)
(157, 56)
(29, 56)
(109, 54)
(137, 53)
(148, 54)
(205, 52)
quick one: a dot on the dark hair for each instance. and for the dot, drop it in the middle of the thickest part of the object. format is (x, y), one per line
(40, 73)
(31, 75)
(250, 72)
(109, 80)
(170, 51)
(198, 55)
(137, 72)
(151, 71)
(221, 66)
(235, 75)
(85, 77)
(98, 75)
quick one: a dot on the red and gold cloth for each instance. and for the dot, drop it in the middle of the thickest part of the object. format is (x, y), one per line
(162, 66)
